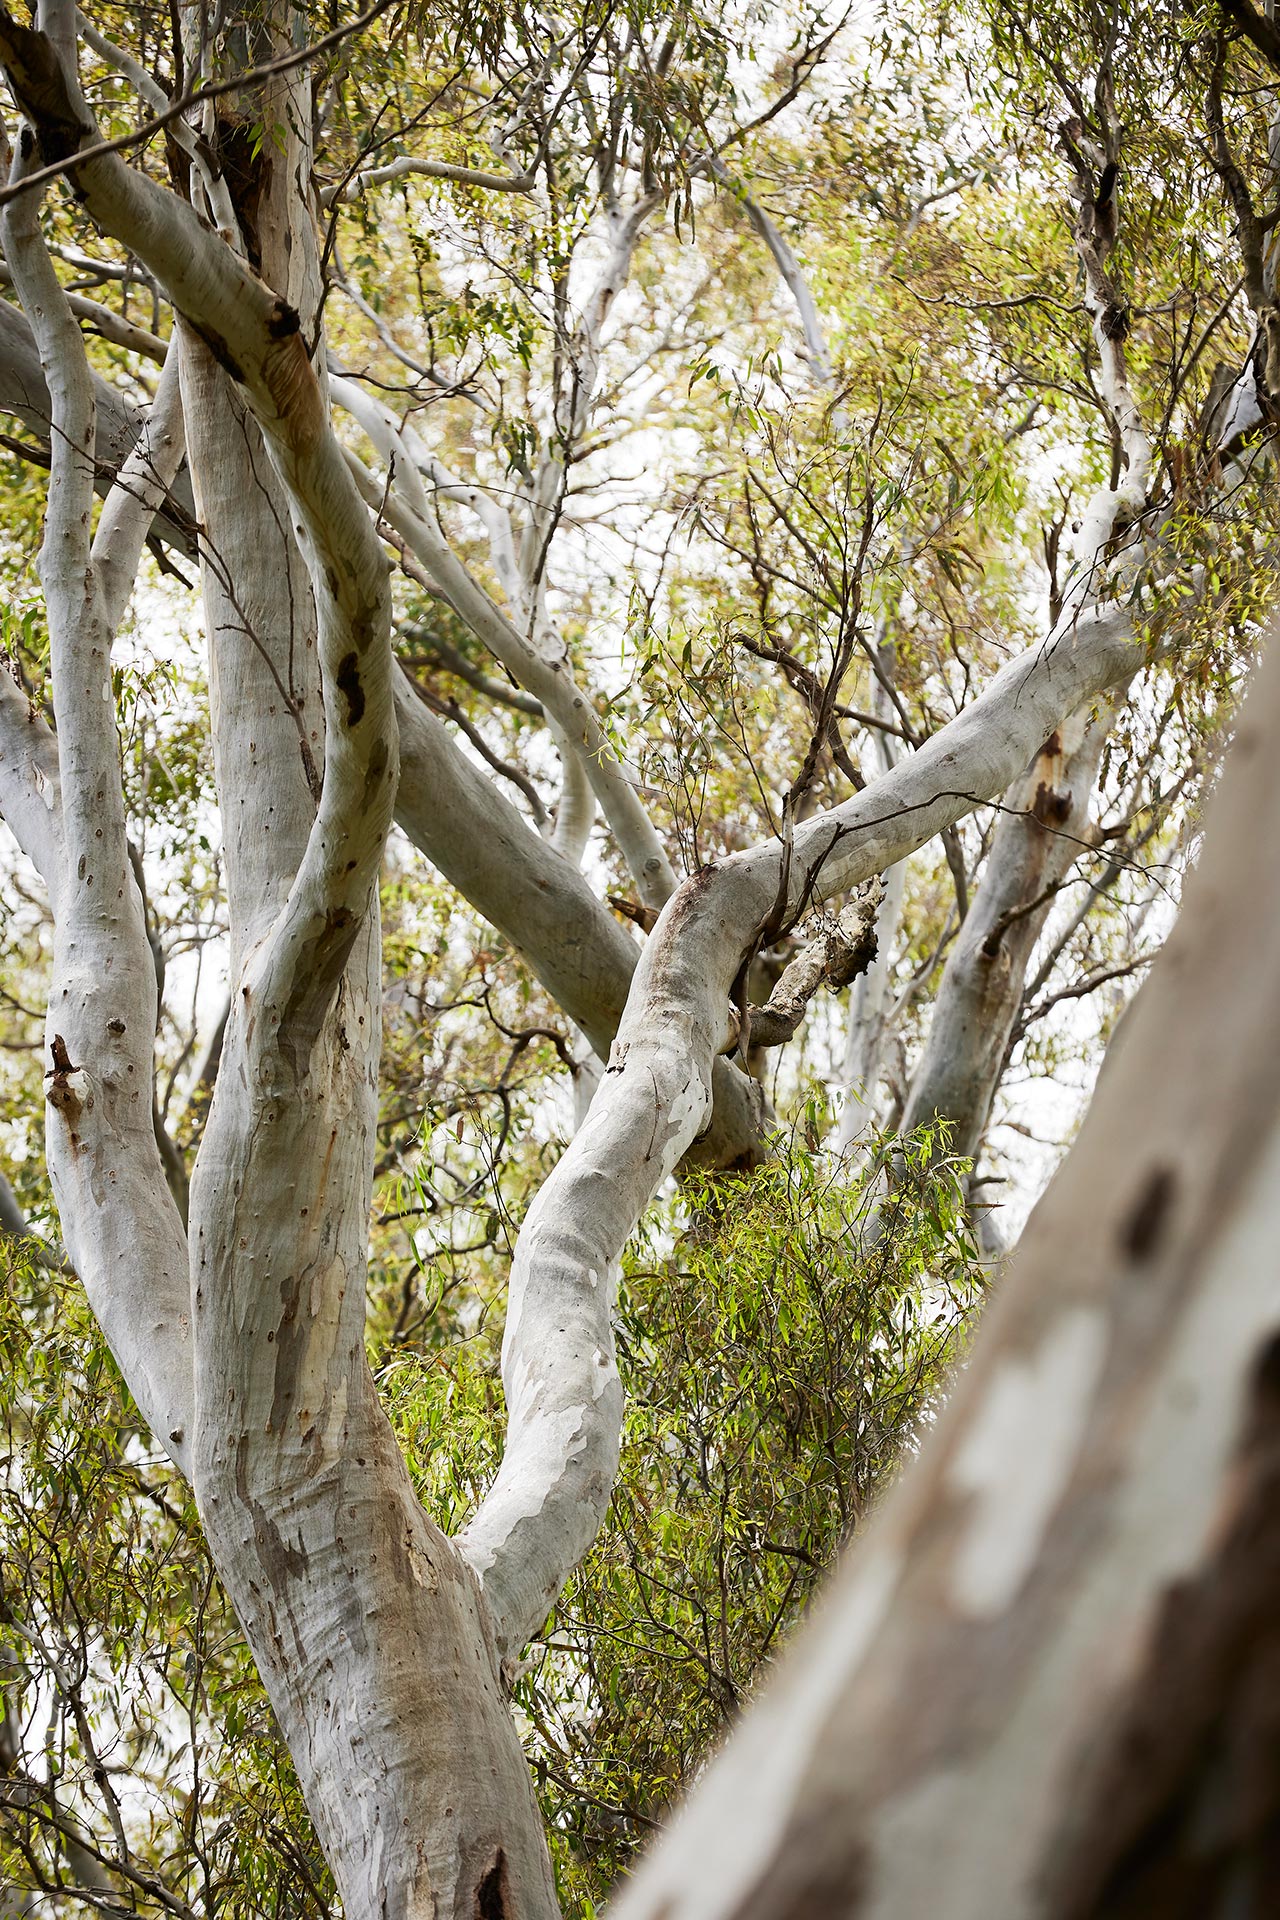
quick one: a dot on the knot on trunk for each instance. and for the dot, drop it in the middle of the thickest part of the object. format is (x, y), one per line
(66, 1089)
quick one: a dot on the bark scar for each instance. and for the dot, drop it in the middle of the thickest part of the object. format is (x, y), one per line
(491, 1893)
(60, 1093)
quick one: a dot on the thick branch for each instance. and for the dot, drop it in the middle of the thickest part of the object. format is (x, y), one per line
(542, 904)
(24, 393)
(131, 1255)
(564, 1401)
(30, 803)
(549, 682)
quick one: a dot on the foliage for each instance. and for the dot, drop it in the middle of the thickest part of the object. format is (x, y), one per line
(778, 1355)
(734, 533)
(775, 1372)
(133, 1727)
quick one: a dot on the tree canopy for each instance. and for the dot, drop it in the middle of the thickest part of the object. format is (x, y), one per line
(617, 623)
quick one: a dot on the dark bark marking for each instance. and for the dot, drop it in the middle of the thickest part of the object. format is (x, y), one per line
(291, 1345)
(1177, 1809)
(1144, 1228)
(317, 978)
(379, 760)
(280, 1562)
(349, 685)
(491, 1893)
(283, 320)
(817, 1872)
(1266, 1376)
(1051, 808)
(39, 85)
(239, 158)
(59, 1092)
(221, 352)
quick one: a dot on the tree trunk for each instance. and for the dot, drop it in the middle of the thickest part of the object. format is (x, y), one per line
(1047, 1682)
(1034, 847)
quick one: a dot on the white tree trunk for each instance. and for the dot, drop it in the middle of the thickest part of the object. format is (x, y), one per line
(1038, 840)
(380, 1641)
(1044, 1683)
(366, 1624)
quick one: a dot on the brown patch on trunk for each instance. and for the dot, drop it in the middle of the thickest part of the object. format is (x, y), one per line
(1145, 1226)
(59, 1092)
(1051, 808)
(1176, 1814)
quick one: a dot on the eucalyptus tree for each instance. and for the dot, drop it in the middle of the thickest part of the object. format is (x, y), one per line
(403, 379)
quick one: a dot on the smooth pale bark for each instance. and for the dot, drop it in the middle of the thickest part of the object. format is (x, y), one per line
(266, 709)
(870, 998)
(254, 588)
(1046, 816)
(30, 802)
(564, 1402)
(1044, 1684)
(120, 1225)
(366, 1625)
(1034, 847)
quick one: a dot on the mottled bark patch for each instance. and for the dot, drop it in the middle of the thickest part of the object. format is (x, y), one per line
(317, 979)
(1174, 1806)
(281, 1563)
